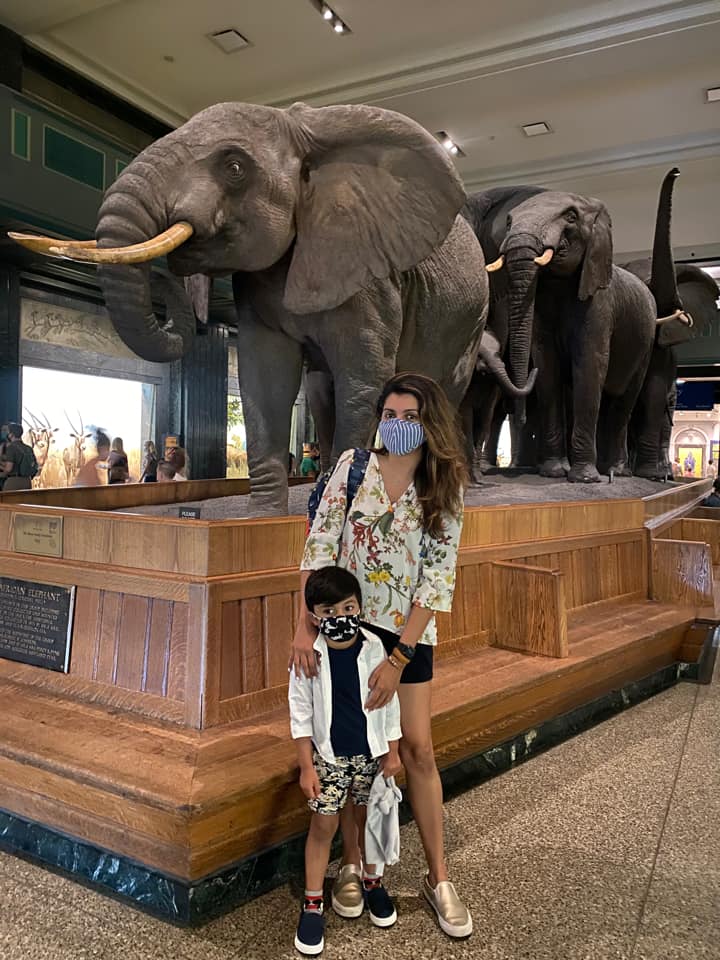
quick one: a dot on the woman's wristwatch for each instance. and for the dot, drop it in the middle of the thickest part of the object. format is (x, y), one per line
(404, 652)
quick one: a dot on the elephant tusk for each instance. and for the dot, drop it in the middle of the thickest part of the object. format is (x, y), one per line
(157, 246)
(496, 264)
(680, 315)
(43, 244)
(545, 259)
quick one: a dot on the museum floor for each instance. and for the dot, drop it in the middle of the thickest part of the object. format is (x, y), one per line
(605, 848)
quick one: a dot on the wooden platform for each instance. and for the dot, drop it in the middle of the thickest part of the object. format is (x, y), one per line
(168, 741)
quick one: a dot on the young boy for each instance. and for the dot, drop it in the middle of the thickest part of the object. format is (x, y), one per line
(341, 746)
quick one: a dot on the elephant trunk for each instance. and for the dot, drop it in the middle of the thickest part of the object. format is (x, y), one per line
(523, 276)
(496, 366)
(125, 219)
(663, 282)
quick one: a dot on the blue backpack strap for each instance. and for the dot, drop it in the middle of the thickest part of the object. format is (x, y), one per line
(356, 475)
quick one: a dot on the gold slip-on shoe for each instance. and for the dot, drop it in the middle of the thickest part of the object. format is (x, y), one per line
(347, 892)
(453, 916)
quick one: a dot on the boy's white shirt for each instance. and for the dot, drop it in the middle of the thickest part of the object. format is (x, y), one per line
(311, 701)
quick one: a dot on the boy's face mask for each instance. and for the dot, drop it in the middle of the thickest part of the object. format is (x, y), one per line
(339, 629)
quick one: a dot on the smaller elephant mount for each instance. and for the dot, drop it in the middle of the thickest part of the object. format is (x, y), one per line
(340, 227)
(588, 326)
(686, 299)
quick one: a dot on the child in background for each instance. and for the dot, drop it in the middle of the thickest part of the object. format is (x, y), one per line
(341, 746)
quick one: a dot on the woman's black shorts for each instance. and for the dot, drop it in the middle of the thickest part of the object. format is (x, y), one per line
(420, 668)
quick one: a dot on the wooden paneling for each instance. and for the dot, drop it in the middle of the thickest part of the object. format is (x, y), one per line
(682, 573)
(529, 610)
(680, 497)
(708, 531)
(120, 496)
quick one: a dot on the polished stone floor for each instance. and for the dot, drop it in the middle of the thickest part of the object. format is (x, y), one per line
(605, 848)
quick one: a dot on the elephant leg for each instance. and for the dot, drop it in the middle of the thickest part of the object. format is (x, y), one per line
(267, 405)
(490, 448)
(590, 355)
(651, 413)
(550, 396)
(361, 366)
(321, 397)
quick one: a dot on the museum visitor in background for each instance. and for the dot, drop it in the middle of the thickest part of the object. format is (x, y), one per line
(149, 464)
(89, 474)
(18, 465)
(117, 462)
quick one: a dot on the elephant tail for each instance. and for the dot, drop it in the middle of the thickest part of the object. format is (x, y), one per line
(663, 283)
(496, 366)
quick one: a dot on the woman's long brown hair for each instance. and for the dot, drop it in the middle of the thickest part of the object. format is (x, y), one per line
(442, 473)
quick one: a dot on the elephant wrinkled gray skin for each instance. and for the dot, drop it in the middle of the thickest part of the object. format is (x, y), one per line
(590, 326)
(485, 394)
(487, 213)
(340, 227)
(652, 419)
(686, 303)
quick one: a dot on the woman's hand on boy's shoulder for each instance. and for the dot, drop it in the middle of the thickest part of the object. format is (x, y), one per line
(383, 682)
(304, 659)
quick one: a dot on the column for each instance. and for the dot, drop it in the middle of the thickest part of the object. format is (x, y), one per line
(10, 399)
(204, 403)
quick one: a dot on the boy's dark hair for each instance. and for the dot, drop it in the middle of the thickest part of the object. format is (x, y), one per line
(716, 485)
(331, 585)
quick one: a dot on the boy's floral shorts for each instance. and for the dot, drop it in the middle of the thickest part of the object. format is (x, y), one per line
(347, 777)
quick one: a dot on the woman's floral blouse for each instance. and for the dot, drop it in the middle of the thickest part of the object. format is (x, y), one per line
(397, 563)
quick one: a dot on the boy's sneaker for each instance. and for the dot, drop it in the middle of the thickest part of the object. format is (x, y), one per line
(310, 936)
(347, 892)
(380, 906)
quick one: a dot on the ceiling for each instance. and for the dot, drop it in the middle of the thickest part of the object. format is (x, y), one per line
(620, 82)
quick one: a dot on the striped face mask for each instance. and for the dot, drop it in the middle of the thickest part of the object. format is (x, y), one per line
(401, 436)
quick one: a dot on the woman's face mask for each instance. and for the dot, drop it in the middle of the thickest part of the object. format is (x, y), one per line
(401, 436)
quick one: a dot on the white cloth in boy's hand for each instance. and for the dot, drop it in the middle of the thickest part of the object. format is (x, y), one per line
(382, 829)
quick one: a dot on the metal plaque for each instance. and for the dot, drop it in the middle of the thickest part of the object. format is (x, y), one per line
(41, 536)
(36, 623)
(189, 513)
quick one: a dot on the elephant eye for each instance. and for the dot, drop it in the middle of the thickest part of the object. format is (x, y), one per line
(235, 169)
(571, 216)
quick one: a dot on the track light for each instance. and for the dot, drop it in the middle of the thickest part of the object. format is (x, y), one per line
(449, 144)
(331, 18)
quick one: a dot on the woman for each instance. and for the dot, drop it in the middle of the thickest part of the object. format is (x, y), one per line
(149, 464)
(400, 538)
(117, 462)
(178, 458)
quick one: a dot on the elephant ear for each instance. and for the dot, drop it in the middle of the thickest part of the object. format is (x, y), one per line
(597, 265)
(378, 194)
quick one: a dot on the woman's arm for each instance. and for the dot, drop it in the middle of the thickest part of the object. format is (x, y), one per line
(303, 659)
(436, 583)
(321, 550)
(385, 678)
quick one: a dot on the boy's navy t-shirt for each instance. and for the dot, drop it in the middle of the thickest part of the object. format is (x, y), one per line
(348, 729)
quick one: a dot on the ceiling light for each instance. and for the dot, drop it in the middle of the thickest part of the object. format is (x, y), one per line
(229, 41)
(331, 18)
(712, 94)
(449, 144)
(536, 129)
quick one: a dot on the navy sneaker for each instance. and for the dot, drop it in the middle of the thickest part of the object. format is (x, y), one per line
(379, 903)
(310, 939)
